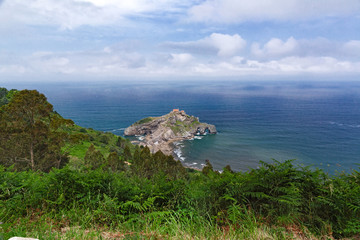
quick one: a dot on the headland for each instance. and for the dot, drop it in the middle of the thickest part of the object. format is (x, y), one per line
(159, 133)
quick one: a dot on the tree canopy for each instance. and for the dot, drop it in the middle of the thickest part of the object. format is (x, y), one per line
(6, 95)
(31, 133)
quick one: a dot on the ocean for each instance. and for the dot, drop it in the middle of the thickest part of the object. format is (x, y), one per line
(317, 123)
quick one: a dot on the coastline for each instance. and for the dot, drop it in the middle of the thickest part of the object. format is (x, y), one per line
(171, 147)
(165, 133)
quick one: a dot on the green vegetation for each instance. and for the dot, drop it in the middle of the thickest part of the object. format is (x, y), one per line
(145, 120)
(176, 129)
(195, 122)
(275, 201)
(182, 127)
(31, 135)
(6, 96)
(35, 137)
(104, 142)
(110, 189)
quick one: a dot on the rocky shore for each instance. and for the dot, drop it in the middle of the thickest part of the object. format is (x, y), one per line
(159, 133)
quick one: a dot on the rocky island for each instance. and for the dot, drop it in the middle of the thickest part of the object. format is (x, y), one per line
(159, 133)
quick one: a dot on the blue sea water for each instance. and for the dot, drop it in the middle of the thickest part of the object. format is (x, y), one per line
(317, 123)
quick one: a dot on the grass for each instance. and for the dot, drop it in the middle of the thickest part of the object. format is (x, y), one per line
(79, 150)
(150, 226)
(145, 120)
(176, 129)
(275, 201)
(105, 142)
(182, 127)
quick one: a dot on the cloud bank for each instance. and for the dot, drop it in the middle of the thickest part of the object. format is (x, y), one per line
(71, 14)
(215, 55)
(222, 45)
(167, 38)
(229, 11)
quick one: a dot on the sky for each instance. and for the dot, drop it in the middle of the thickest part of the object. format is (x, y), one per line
(67, 40)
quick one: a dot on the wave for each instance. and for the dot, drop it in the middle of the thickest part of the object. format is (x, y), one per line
(114, 130)
(191, 164)
(140, 138)
(119, 129)
(179, 154)
(178, 150)
(344, 125)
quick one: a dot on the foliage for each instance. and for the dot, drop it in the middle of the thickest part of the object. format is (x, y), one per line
(93, 158)
(127, 153)
(208, 168)
(145, 120)
(77, 150)
(278, 196)
(31, 133)
(121, 142)
(6, 95)
(147, 165)
(115, 163)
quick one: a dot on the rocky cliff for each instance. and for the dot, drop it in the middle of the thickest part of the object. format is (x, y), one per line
(160, 132)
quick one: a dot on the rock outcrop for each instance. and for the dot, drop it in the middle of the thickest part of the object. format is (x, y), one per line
(160, 132)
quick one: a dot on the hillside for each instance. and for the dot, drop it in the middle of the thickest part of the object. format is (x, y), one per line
(34, 136)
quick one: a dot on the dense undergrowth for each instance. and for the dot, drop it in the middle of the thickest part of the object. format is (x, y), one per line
(275, 201)
(104, 142)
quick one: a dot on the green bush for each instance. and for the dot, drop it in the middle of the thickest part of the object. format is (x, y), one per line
(277, 194)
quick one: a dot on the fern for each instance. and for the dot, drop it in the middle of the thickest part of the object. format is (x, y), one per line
(138, 205)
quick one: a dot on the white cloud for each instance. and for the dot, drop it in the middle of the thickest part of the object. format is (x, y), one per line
(223, 45)
(180, 59)
(48, 62)
(227, 45)
(285, 66)
(234, 11)
(70, 14)
(140, 6)
(11, 69)
(316, 65)
(352, 48)
(66, 14)
(103, 65)
(275, 48)
(86, 63)
(275, 57)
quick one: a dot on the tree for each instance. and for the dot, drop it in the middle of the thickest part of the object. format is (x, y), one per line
(227, 168)
(145, 153)
(115, 163)
(104, 139)
(127, 153)
(3, 99)
(93, 158)
(120, 142)
(6, 96)
(208, 168)
(31, 133)
(137, 157)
